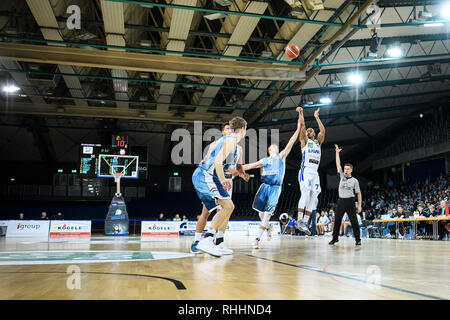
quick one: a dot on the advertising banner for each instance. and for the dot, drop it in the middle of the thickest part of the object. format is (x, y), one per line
(28, 228)
(160, 228)
(70, 228)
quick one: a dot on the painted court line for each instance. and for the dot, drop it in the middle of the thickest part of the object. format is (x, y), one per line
(310, 268)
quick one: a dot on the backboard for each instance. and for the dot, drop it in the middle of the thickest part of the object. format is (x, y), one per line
(110, 164)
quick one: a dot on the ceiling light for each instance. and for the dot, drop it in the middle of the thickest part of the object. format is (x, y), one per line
(215, 16)
(425, 15)
(146, 43)
(224, 3)
(266, 54)
(445, 11)
(10, 88)
(394, 52)
(85, 35)
(433, 24)
(355, 79)
(325, 100)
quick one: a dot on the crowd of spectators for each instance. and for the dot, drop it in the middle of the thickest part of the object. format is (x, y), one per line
(44, 216)
(429, 198)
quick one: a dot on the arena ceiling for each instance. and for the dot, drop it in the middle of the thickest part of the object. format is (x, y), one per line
(146, 67)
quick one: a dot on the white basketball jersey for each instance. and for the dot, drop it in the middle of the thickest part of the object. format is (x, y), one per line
(311, 154)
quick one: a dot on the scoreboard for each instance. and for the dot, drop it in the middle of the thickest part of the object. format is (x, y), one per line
(89, 156)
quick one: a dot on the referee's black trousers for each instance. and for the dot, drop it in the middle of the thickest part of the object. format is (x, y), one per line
(346, 205)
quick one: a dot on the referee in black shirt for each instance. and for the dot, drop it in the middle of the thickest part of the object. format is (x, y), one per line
(348, 188)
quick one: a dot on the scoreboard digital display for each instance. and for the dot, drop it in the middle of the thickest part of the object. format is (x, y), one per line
(119, 141)
(89, 155)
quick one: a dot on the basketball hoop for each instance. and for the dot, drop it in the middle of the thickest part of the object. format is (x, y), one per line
(117, 176)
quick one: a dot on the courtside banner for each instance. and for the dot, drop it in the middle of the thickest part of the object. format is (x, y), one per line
(29, 228)
(187, 228)
(253, 227)
(238, 227)
(70, 228)
(160, 228)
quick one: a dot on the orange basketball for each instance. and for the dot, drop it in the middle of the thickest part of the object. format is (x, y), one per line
(292, 51)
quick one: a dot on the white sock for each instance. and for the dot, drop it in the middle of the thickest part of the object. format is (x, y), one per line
(220, 234)
(260, 233)
(305, 218)
(198, 236)
(213, 231)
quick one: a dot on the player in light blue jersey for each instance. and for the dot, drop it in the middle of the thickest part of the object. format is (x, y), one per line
(211, 185)
(234, 170)
(272, 174)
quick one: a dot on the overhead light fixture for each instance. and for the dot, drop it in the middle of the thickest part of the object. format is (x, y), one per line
(85, 35)
(10, 88)
(215, 16)
(355, 79)
(445, 11)
(394, 52)
(266, 54)
(326, 99)
(425, 15)
(334, 83)
(433, 24)
(223, 3)
(146, 43)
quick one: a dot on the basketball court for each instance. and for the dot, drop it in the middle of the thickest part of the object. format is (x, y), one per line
(286, 268)
(109, 108)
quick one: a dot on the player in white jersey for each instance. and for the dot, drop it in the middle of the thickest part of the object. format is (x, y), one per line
(230, 174)
(308, 176)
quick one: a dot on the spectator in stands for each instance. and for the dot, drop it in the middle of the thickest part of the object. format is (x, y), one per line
(344, 224)
(185, 218)
(177, 217)
(443, 226)
(291, 225)
(21, 216)
(323, 223)
(43, 216)
(58, 216)
(161, 217)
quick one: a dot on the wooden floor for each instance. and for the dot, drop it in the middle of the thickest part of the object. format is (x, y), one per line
(284, 268)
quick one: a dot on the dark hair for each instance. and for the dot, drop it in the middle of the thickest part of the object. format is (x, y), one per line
(348, 165)
(225, 124)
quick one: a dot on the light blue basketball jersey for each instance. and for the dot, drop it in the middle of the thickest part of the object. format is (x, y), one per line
(272, 172)
(208, 162)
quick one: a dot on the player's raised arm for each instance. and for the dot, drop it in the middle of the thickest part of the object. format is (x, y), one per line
(254, 165)
(338, 159)
(321, 135)
(291, 142)
(302, 133)
(228, 147)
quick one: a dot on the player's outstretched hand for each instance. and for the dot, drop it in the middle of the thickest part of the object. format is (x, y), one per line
(226, 185)
(316, 113)
(246, 177)
(299, 110)
(337, 148)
